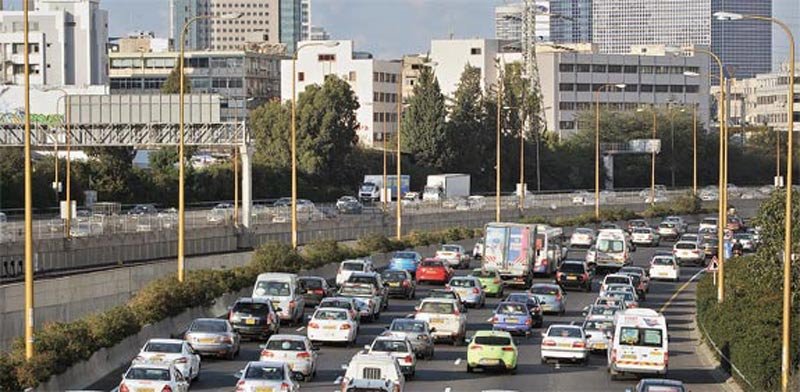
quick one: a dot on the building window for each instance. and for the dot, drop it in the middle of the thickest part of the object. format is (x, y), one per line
(583, 87)
(475, 51)
(301, 76)
(352, 76)
(646, 88)
(326, 57)
(614, 69)
(566, 124)
(646, 69)
(566, 105)
(631, 69)
(566, 87)
(599, 68)
(662, 88)
(583, 68)
(676, 88)
(566, 67)
(631, 88)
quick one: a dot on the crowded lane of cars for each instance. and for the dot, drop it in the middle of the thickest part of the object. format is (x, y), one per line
(371, 334)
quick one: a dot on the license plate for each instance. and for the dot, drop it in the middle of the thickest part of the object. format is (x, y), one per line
(264, 389)
(564, 345)
(329, 327)
(394, 284)
(490, 361)
(276, 304)
(572, 278)
(250, 321)
(145, 390)
(662, 274)
(628, 357)
(207, 340)
(437, 321)
(600, 346)
(512, 320)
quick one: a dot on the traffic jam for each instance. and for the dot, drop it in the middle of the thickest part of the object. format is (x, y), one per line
(483, 310)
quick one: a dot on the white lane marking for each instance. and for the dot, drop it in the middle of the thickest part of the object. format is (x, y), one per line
(678, 292)
(457, 362)
(300, 329)
(338, 380)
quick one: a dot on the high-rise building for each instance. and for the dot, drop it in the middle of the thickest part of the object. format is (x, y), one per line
(508, 21)
(744, 46)
(67, 44)
(291, 23)
(619, 24)
(576, 26)
(258, 24)
(198, 34)
(305, 25)
(318, 34)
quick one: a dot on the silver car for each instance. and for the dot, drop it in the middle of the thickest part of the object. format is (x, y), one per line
(209, 336)
(417, 332)
(551, 298)
(596, 328)
(469, 290)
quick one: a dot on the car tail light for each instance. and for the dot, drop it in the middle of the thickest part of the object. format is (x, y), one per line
(476, 347)
(304, 354)
(408, 358)
(508, 348)
(345, 326)
(548, 342)
(181, 360)
(558, 296)
(230, 315)
(578, 344)
(613, 355)
(284, 387)
(447, 286)
(292, 304)
(396, 388)
(666, 359)
(528, 321)
(456, 312)
(558, 275)
(166, 388)
(475, 290)
(123, 388)
(267, 354)
(585, 276)
(319, 292)
(406, 283)
(313, 325)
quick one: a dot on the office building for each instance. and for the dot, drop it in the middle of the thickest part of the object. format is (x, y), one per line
(244, 80)
(198, 34)
(576, 26)
(508, 21)
(305, 16)
(761, 100)
(374, 82)
(140, 41)
(67, 44)
(744, 46)
(258, 24)
(318, 34)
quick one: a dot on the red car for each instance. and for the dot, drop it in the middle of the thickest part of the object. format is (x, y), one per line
(433, 270)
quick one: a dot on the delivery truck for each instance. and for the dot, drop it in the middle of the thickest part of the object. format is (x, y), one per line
(371, 189)
(440, 187)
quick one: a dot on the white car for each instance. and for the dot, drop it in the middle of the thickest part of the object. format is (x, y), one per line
(332, 325)
(347, 267)
(709, 194)
(665, 267)
(294, 350)
(165, 351)
(454, 255)
(373, 372)
(153, 377)
(266, 376)
(564, 342)
(581, 198)
(678, 221)
(398, 348)
(645, 236)
(582, 236)
(596, 327)
(626, 288)
(685, 251)
(669, 230)
(708, 223)
(477, 250)
(690, 237)
(446, 317)
(366, 297)
(615, 279)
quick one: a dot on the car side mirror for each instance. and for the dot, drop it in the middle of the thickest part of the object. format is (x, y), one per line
(309, 317)
(239, 374)
(544, 334)
(433, 330)
(366, 347)
(343, 367)
(467, 340)
(279, 309)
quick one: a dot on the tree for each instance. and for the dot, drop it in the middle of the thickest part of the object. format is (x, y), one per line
(173, 83)
(112, 172)
(426, 135)
(270, 124)
(468, 127)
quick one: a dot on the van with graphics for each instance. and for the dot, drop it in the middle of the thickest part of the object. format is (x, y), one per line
(640, 343)
(509, 249)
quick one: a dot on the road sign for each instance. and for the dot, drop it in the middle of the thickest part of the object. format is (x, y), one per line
(713, 266)
(645, 145)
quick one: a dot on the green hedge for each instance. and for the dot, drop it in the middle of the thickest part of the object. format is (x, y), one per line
(61, 345)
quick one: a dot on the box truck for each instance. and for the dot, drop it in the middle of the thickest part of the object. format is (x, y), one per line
(440, 187)
(370, 190)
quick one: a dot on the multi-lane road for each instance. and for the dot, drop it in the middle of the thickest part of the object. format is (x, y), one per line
(447, 370)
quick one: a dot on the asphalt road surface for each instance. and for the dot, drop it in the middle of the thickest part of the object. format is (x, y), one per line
(447, 370)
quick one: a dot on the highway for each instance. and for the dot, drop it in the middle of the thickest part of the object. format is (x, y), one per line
(447, 370)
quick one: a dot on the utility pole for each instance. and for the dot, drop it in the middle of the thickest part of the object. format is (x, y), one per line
(534, 118)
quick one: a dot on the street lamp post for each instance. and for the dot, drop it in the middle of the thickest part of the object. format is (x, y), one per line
(29, 305)
(181, 164)
(787, 239)
(497, 156)
(67, 143)
(294, 131)
(597, 145)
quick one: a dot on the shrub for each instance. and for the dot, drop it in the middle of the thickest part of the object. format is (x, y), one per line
(319, 253)
(109, 327)
(375, 243)
(8, 376)
(420, 238)
(276, 257)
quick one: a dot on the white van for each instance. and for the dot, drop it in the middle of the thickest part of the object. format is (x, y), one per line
(376, 371)
(348, 267)
(640, 343)
(612, 249)
(283, 290)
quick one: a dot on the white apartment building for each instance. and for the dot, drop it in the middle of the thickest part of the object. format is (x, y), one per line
(374, 82)
(449, 58)
(67, 44)
(762, 100)
(508, 21)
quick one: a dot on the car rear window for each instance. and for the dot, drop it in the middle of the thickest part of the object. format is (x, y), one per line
(492, 340)
(209, 326)
(286, 345)
(511, 309)
(451, 248)
(685, 245)
(148, 374)
(363, 279)
(408, 326)
(264, 373)
(333, 315)
(356, 290)
(441, 294)
(431, 263)
(251, 307)
(667, 225)
(437, 307)
(563, 332)
(521, 298)
(482, 274)
(161, 347)
(273, 288)
(631, 336)
(546, 290)
(641, 231)
(662, 261)
(598, 325)
(404, 255)
(352, 266)
(392, 346)
(393, 275)
(617, 279)
(462, 283)
(572, 267)
(604, 245)
(312, 283)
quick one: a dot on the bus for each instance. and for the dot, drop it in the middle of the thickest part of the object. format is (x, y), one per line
(508, 248)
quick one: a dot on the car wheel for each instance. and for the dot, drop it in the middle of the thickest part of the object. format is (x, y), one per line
(231, 355)
(470, 369)
(588, 288)
(562, 311)
(514, 370)
(431, 353)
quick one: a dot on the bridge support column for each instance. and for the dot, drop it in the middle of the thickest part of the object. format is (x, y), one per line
(608, 165)
(246, 153)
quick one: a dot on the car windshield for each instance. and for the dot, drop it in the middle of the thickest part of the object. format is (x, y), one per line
(662, 261)
(251, 307)
(572, 268)
(511, 309)
(264, 373)
(405, 255)
(605, 245)
(603, 310)
(617, 280)
(286, 345)
(437, 307)
(441, 294)
(392, 346)
(363, 279)
(407, 326)
(213, 326)
(710, 221)
(334, 315)
(393, 275)
(273, 288)
(546, 290)
(312, 283)
(623, 295)
(450, 248)
(598, 325)
(356, 290)
(492, 340)
(583, 231)
(521, 298)
(482, 273)
(163, 347)
(649, 337)
(641, 231)
(148, 374)
(352, 266)
(685, 245)
(431, 263)
(742, 236)
(335, 304)
(668, 225)
(564, 332)
(462, 283)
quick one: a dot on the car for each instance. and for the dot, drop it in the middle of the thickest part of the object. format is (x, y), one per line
(582, 237)
(615, 279)
(411, 199)
(398, 348)
(347, 267)
(400, 283)
(639, 344)
(266, 376)
(609, 302)
(564, 342)
(285, 293)
(669, 230)
(575, 273)
(332, 325)
(221, 213)
(512, 317)
(630, 299)
(366, 297)
(492, 350)
(418, 332)
(755, 232)
(641, 271)
(405, 260)
(709, 194)
(532, 302)
(604, 308)
(143, 209)
(551, 297)
(373, 279)
(678, 221)
(746, 241)
(735, 224)
(626, 288)
(708, 223)
(453, 255)
(477, 250)
(254, 318)
(315, 289)
(490, 281)
(166, 351)
(689, 237)
(209, 336)
(154, 377)
(639, 284)
(433, 270)
(709, 246)
(666, 268)
(296, 351)
(446, 317)
(645, 236)
(372, 372)
(688, 252)
(658, 385)
(469, 290)
(598, 328)
(347, 303)
(636, 224)
(349, 205)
